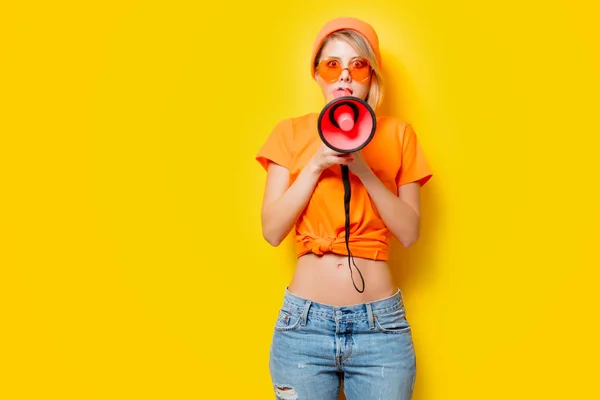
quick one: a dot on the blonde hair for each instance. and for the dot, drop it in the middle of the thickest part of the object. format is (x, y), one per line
(364, 49)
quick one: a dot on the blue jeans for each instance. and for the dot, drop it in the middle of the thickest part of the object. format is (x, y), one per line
(368, 345)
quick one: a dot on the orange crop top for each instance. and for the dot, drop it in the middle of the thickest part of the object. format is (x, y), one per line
(394, 155)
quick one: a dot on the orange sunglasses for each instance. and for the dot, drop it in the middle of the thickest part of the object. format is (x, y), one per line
(330, 69)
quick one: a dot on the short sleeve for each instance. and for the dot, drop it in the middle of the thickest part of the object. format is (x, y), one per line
(278, 146)
(414, 167)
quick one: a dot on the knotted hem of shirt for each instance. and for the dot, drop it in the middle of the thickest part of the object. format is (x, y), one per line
(337, 245)
(321, 245)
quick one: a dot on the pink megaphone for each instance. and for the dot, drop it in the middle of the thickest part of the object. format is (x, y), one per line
(347, 124)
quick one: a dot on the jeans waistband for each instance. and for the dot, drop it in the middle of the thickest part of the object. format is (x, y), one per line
(295, 303)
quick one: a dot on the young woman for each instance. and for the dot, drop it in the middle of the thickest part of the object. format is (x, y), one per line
(342, 317)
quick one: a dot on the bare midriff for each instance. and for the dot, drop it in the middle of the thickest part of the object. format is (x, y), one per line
(326, 279)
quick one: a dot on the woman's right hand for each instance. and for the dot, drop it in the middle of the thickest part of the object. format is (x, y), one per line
(325, 157)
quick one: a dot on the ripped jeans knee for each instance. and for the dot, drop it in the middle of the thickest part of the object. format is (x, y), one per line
(285, 392)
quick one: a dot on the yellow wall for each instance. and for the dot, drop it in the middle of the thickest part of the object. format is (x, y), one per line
(131, 259)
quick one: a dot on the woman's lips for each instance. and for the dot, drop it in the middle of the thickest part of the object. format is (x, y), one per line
(343, 91)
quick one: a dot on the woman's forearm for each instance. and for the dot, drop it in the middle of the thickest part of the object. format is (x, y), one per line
(401, 219)
(279, 217)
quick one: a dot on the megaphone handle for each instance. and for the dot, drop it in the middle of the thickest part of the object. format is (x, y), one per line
(347, 194)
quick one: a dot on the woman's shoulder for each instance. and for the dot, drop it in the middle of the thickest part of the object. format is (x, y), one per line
(391, 122)
(297, 126)
(401, 128)
(304, 121)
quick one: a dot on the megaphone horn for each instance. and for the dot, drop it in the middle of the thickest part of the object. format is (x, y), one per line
(347, 124)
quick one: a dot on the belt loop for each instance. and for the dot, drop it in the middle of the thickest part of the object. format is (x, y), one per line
(305, 312)
(370, 315)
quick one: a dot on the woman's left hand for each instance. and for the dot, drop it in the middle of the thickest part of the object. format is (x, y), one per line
(357, 164)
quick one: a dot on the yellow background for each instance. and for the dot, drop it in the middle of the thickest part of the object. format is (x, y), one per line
(131, 259)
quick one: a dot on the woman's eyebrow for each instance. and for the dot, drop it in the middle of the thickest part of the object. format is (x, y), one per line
(339, 58)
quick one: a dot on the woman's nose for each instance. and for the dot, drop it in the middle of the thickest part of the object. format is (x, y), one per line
(345, 75)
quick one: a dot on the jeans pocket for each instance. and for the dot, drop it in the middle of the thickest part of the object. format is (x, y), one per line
(287, 320)
(393, 322)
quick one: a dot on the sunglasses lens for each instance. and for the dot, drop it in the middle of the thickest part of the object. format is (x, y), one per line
(330, 70)
(360, 69)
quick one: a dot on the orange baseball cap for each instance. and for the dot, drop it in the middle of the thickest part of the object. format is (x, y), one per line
(345, 23)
